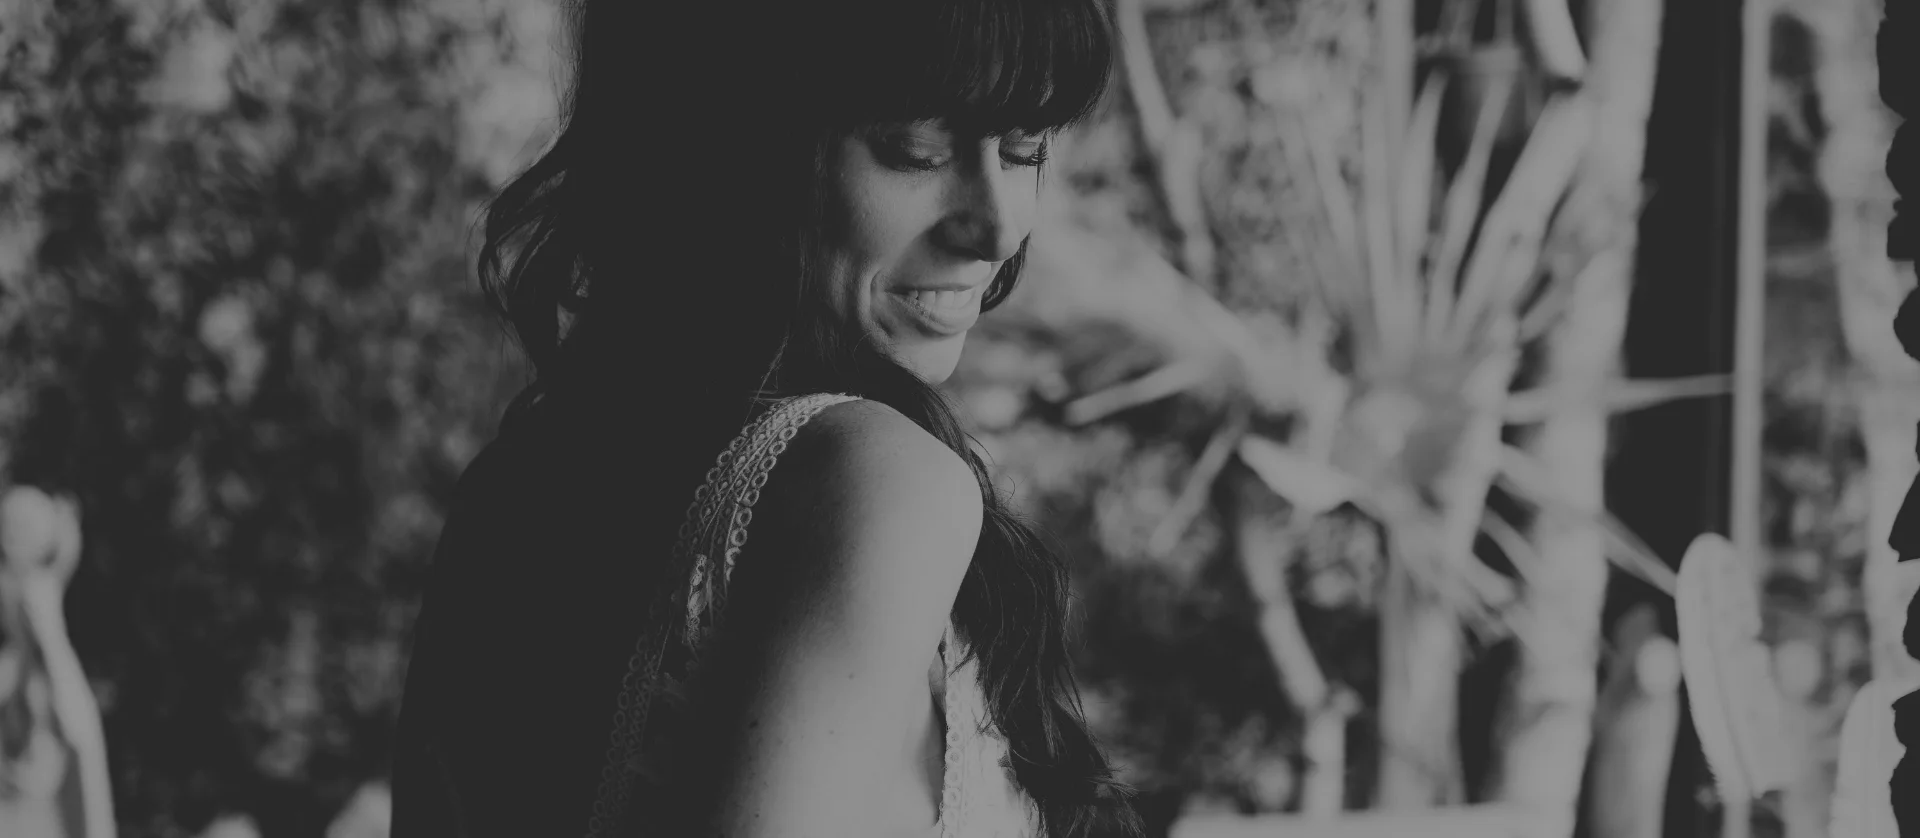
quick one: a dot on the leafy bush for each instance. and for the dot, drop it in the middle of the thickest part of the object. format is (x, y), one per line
(236, 282)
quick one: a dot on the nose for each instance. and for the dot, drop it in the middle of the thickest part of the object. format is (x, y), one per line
(990, 211)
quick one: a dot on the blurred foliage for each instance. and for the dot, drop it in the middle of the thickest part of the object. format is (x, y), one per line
(1816, 493)
(240, 324)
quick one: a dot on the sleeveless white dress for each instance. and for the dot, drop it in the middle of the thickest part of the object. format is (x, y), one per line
(978, 797)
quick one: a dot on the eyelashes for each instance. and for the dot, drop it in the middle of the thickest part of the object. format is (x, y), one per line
(908, 153)
(1036, 157)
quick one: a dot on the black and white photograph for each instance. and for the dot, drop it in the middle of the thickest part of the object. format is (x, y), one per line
(959, 418)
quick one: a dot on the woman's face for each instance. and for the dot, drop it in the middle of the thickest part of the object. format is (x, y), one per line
(919, 218)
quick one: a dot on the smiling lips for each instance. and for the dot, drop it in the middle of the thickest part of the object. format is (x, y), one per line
(943, 299)
(942, 313)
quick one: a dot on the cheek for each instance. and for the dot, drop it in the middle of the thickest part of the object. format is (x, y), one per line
(883, 217)
(1026, 203)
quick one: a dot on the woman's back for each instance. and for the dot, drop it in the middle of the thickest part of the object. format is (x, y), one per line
(523, 634)
(922, 738)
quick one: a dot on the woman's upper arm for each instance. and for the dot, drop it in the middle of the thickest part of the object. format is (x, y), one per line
(837, 606)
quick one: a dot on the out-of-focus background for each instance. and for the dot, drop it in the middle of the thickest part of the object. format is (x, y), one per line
(1373, 369)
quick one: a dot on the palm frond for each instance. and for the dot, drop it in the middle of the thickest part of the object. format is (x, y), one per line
(1555, 41)
(1149, 95)
(1507, 252)
(1151, 297)
(1329, 288)
(1547, 310)
(1415, 540)
(1395, 294)
(1193, 495)
(1310, 486)
(1519, 550)
(1462, 485)
(1619, 396)
(1337, 207)
(1330, 273)
(1165, 381)
(1491, 590)
(1462, 212)
(1413, 221)
(1526, 478)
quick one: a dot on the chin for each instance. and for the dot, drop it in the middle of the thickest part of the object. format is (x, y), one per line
(933, 362)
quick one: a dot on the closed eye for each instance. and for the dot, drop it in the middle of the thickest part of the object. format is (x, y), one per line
(910, 153)
(910, 149)
(1029, 153)
(1022, 148)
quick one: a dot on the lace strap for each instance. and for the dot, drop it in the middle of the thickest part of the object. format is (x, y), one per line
(680, 617)
(954, 718)
(726, 534)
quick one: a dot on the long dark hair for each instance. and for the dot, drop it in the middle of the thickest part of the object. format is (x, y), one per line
(655, 265)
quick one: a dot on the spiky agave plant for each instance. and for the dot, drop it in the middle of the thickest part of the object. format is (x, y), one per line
(1433, 311)
(1397, 377)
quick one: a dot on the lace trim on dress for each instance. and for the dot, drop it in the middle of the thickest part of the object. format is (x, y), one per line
(980, 797)
(950, 816)
(680, 617)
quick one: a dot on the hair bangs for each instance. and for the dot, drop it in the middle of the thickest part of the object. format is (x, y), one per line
(994, 67)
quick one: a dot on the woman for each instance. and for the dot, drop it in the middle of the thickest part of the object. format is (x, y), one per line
(765, 230)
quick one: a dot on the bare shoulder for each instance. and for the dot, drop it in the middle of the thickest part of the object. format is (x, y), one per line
(862, 535)
(877, 451)
(865, 478)
(868, 521)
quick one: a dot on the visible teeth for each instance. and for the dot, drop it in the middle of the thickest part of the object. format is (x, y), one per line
(944, 299)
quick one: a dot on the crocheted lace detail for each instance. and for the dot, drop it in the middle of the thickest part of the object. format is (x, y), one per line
(952, 810)
(680, 617)
(978, 796)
